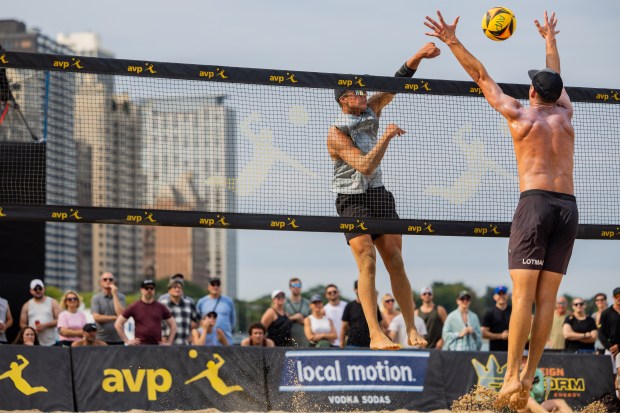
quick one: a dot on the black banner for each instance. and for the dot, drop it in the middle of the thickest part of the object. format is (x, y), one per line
(35, 378)
(276, 77)
(169, 378)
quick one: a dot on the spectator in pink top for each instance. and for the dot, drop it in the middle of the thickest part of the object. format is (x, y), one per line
(71, 319)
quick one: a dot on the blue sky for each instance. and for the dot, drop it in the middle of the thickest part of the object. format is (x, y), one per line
(357, 37)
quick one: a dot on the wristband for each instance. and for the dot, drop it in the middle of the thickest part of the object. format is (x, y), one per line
(404, 71)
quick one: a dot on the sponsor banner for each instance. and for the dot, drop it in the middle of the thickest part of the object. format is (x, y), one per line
(157, 378)
(35, 378)
(577, 378)
(344, 380)
(141, 68)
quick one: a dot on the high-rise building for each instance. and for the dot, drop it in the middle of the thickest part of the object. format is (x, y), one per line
(47, 101)
(187, 140)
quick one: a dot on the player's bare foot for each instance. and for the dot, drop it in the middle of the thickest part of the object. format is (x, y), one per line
(509, 388)
(382, 342)
(415, 339)
(518, 400)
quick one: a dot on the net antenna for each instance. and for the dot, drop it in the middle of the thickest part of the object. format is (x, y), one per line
(6, 97)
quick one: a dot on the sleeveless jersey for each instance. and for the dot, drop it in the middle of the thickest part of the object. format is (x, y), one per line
(363, 131)
(43, 313)
(434, 326)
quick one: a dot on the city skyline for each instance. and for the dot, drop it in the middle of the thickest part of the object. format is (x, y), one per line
(291, 36)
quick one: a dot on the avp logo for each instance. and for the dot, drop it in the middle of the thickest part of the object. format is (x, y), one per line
(3, 59)
(350, 227)
(476, 90)
(66, 215)
(148, 216)
(15, 375)
(219, 220)
(484, 231)
(212, 373)
(157, 381)
(290, 77)
(414, 86)
(64, 64)
(282, 224)
(2, 214)
(417, 229)
(348, 82)
(139, 69)
(211, 74)
(609, 234)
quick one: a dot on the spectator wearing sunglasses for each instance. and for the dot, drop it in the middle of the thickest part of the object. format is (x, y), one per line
(496, 320)
(208, 334)
(106, 306)
(579, 329)
(388, 308)
(148, 315)
(224, 307)
(334, 309)
(41, 313)
(297, 308)
(434, 316)
(71, 320)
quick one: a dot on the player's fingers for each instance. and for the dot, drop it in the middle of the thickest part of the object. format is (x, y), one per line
(456, 21)
(431, 34)
(431, 21)
(441, 18)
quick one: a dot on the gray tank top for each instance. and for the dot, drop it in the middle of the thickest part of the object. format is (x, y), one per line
(363, 131)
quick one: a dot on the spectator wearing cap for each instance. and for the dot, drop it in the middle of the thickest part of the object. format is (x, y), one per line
(355, 331)
(319, 329)
(148, 315)
(41, 313)
(297, 308)
(434, 317)
(6, 319)
(609, 333)
(182, 309)
(334, 310)
(277, 322)
(556, 339)
(71, 320)
(89, 337)
(106, 306)
(496, 320)
(208, 334)
(461, 331)
(166, 295)
(256, 337)
(579, 329)
(224, 307)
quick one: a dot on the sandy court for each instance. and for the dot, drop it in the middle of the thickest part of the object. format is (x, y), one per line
(217, 411)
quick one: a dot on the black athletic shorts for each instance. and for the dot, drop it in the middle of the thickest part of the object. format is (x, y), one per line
(543, 231)
(374, 203)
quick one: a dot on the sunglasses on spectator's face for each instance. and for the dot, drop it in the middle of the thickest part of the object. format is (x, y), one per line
(37, 288)
(332, 292)
(71, 299)
(215, 283)
(600, 299)
(108, 279)
(296, 285)
(212, 316)
(149, 288)
(579, 304)
(391, 300)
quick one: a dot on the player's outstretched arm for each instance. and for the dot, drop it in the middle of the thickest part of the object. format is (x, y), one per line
(548, 32)
(429, 51)
(504, 104)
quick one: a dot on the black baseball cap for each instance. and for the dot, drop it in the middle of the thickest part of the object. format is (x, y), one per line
(88, 327)
(146, 283)
(547, 83)
(616, 291)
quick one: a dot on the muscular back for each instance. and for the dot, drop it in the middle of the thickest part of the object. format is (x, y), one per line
(544, 139)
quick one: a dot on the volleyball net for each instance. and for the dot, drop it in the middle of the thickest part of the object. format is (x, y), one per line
(117, 141)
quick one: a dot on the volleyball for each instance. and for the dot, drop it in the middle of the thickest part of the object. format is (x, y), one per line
(499, 23)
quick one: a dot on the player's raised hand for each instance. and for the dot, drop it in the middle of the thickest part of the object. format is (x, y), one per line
(547, 31)
(428, 51)
(393, 130)
(440, 29)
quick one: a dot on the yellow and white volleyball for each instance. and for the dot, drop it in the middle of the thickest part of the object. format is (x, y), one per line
(499, 23)
(298, 115)
(193, 353)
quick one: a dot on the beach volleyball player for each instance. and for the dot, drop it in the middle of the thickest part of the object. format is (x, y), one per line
(544, 225)
(357, 152)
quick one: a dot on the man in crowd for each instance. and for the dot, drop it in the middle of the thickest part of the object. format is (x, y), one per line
(148, 315)
(41, 313)
(224, 307)
(354, 331)
(434, 316)
(600, 300)
(556, 336)
(609, 332)
(89, 337)
(496, 319)
(182, 309)
(6, 319)
(181, 277)
(297, 308)
(334, 310)
(106, 306)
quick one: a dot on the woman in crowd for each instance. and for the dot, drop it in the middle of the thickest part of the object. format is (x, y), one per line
(27, 336)
(276, 321)
(257, 337)
(461, 331)
(320, 330)
(71, 320)
(208, 334)
(388, 308)
(579, 329)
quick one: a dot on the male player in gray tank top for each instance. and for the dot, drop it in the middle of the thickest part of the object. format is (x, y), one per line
(357, 152)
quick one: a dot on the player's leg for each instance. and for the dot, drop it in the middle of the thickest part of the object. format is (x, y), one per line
(365, 255)
(523, 297)
(390, 249)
